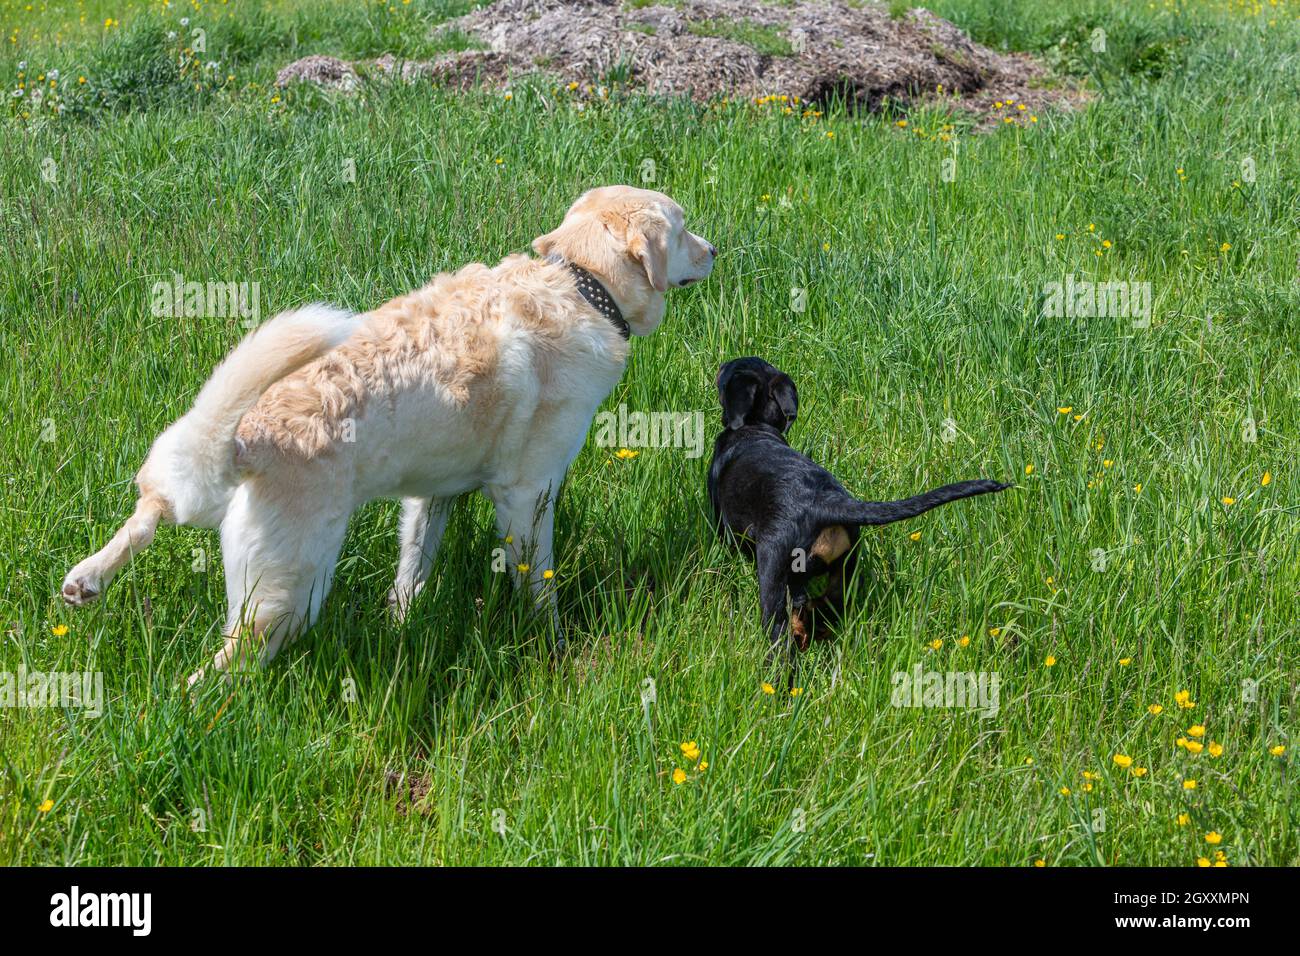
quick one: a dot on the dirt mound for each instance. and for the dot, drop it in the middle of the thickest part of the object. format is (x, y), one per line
(709, 48)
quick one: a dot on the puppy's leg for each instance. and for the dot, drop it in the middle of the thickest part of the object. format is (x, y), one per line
(86, 581)
(526, 517)
(424, 520)
(279, 568)
(773, 564)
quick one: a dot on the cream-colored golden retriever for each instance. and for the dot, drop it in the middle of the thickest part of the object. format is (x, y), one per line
(486, 378)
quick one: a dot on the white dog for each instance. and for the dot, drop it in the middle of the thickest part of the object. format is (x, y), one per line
(486, 378)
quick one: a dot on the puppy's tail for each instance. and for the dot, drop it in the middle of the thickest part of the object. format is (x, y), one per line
(853, 511)
(201, 443)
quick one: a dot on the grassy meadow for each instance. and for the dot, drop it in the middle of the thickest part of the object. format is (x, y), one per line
(1136, 595)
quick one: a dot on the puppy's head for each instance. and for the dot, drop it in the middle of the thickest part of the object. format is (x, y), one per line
(754, 392)
(636, 242)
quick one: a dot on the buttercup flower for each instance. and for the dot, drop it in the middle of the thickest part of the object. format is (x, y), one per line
(679, 775)
(1123, 761)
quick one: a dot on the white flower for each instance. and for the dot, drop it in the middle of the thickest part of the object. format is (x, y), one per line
(53, 74)
(185, 21)
(22, 64)
(16, 93)
(171, 34)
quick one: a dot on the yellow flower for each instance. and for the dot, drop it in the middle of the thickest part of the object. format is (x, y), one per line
(1106, 463)
(510, 539)
(964, 640)
(1123, 761)
(679, 775)
(46, 806)
(624, 454)
(1029, 761)
(1196, 730)
(1029, 469)
(1089, 775)
(521, 568)
(826, 247)
(1202, 861)
(1139, 771)
(1137, 489)
(1065, 791)
(915, 536)
(1277, 751)
(702, 766)
(1092, 227)
(1060, 236)
(1125, 661)
(1040, 863)
(1216, 749)
(1225, 247)
(1105, 243)
(1182, 699)
(59, 630)
(1213, 838)
(690, 750)
(768, 688)
(1049, 661)
(994, 631)
(1189, 784)
(796, 691)
(1268, 477)
(902, 124)
(548, 574)
(1066, 409)
(935, 644)
(1228, 501)
(1154, 709)
(1194, 746)
(1184, 819)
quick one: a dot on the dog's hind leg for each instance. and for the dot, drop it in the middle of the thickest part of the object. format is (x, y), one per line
(86, 581)
(773, 565)
(424, 520)
(278, 574)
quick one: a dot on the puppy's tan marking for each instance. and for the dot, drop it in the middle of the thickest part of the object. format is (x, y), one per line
(831, 543)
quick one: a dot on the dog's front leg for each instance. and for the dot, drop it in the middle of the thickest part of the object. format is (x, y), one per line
(424, 520)
(526, 521)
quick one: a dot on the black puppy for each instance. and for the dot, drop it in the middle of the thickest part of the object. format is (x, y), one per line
(788, 512)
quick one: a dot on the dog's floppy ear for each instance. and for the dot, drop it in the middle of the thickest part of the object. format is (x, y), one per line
(647, 242)
(786, 397)
(738, 398)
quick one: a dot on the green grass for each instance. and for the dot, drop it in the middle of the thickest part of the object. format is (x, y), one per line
(923, 304)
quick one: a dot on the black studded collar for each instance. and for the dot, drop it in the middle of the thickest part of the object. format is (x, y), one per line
(598, 296)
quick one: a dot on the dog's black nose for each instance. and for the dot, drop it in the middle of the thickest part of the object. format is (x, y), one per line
(713, 250)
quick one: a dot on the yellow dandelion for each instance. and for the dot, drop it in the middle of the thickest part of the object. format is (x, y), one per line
(1029, 469)
(1227, 502)
(1189, 784)
(1049, 661)
(994, 631)
(58, 630)
(964, 640)
(548, 574)
(46, 806)
(768, 688)
(1155, 709)
(935, 644)
(1065, 791)
(1125, 661)
(521, 568)
(915, 536)
(1184, 819)
(1066, 409)
(625, 454)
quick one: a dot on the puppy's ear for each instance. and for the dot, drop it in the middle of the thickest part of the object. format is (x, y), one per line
(647, 242)
(786, 397)
(738, 398)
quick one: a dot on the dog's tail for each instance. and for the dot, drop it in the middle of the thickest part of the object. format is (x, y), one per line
(853, 511)
(201, 443)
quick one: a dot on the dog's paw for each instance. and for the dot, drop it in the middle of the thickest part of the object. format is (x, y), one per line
(81, 589)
